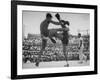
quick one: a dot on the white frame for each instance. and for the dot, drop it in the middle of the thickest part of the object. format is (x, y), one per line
(53, 70)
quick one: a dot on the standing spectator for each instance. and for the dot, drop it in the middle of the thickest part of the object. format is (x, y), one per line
(80, 49)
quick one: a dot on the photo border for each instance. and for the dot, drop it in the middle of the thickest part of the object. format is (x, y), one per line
(14, 38)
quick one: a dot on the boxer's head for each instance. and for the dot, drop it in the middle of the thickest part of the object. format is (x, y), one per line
(48, 16)
(65, 22)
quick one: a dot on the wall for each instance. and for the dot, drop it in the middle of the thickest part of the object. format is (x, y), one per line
(5, 30)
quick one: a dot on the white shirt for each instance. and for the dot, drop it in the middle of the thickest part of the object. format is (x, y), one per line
(79, 42)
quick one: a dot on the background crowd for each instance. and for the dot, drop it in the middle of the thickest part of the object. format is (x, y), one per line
(32, 46)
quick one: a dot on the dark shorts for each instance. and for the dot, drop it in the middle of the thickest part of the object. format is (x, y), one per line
(53, 33)
(65, 41)
(49, 33)
(45, 33)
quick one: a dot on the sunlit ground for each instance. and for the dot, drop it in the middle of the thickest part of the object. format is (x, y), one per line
(29, 65)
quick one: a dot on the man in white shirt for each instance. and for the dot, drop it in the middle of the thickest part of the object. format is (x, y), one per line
(82, 56)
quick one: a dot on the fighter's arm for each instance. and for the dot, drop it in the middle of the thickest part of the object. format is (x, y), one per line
(56, 23)
(63, 29)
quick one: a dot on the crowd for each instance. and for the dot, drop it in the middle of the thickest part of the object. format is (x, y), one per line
(31, 49)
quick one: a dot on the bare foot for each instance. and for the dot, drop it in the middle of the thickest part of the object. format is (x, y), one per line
(37, 64)
(80, 62)
(67, 65)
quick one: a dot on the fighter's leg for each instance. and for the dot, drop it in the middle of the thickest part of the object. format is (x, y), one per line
(65, 54)
(44, 43)
(63, 29)
(59, 36)
(52, 33)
